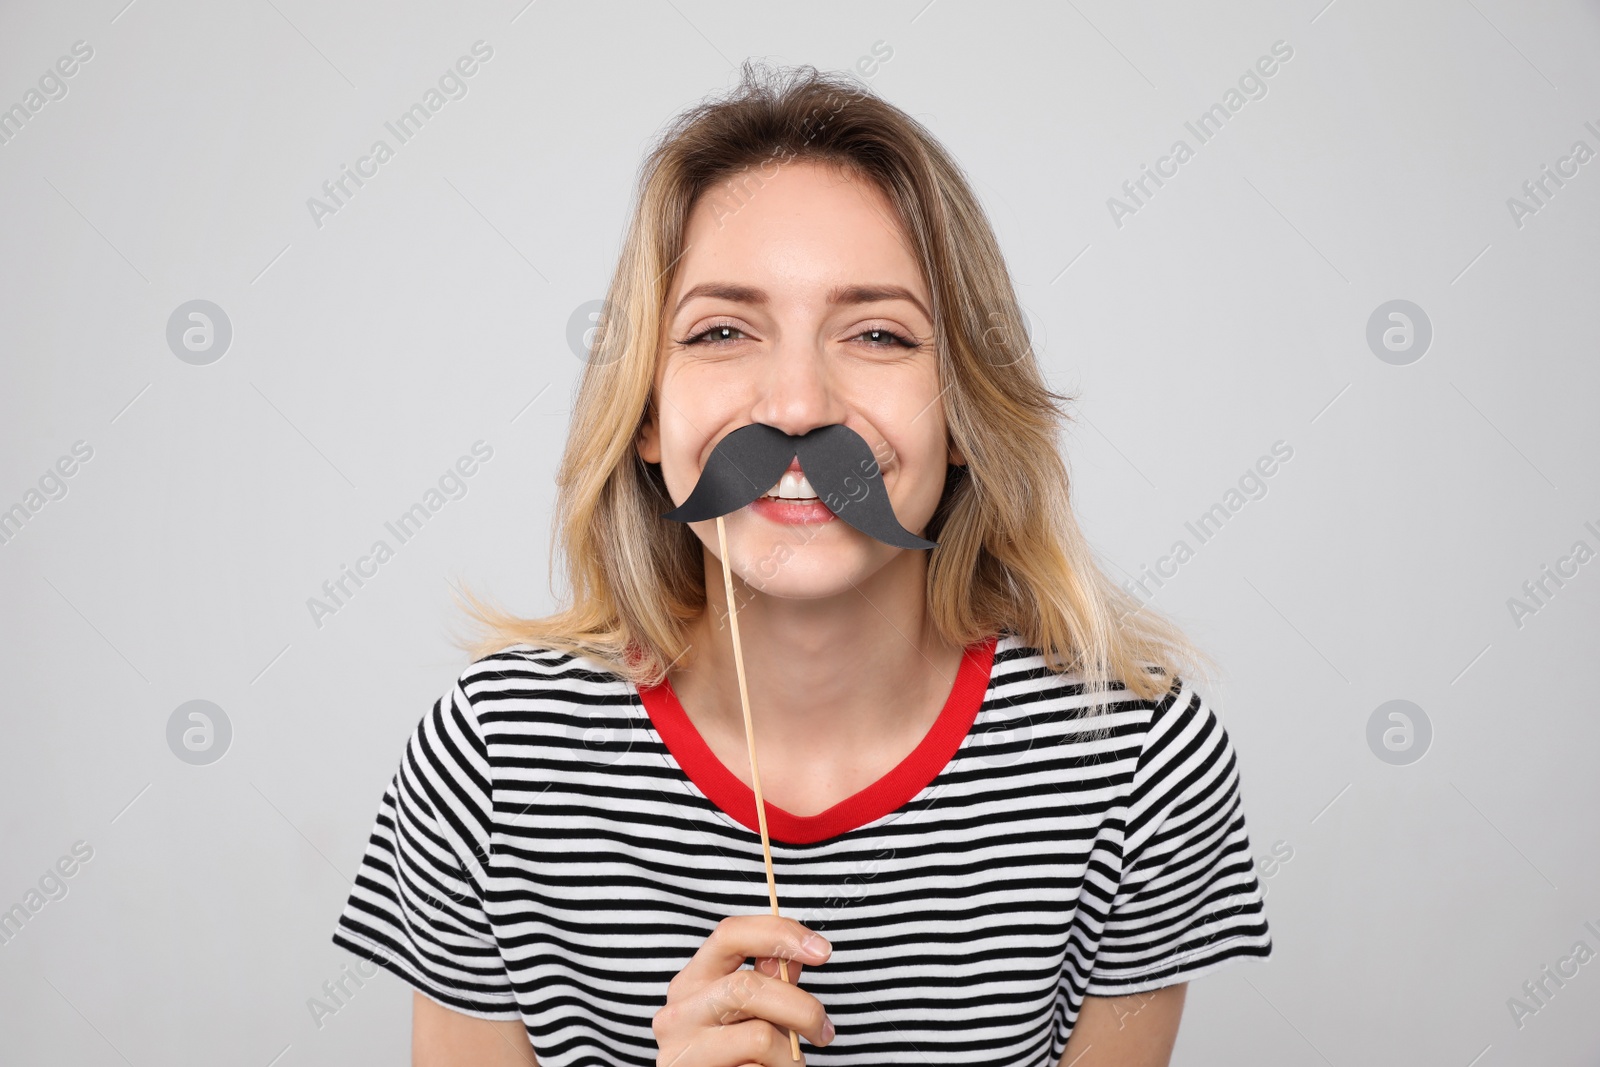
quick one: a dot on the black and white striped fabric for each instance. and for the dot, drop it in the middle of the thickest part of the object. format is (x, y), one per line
(556, 844)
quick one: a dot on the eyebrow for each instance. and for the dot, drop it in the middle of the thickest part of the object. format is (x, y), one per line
(837, 296)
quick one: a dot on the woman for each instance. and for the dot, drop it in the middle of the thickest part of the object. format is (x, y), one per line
(1014, 825)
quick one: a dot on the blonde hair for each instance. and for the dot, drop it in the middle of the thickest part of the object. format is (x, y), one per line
(1011, 557)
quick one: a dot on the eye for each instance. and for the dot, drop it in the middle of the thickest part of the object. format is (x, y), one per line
(716, 333)
(723, 333)
(886, 339)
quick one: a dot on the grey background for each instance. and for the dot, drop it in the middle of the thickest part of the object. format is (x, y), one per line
(432, 311)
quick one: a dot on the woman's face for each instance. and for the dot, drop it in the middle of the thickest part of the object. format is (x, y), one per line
(798, 304)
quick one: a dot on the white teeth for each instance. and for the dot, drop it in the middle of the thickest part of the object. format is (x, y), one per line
(793, 486)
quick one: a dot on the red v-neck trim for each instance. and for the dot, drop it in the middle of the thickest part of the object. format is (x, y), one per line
(913, 774)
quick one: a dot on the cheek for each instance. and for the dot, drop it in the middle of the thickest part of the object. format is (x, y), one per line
(917, 441)
(682, 448)
(694, 409)
(923, 463)
(681, 468)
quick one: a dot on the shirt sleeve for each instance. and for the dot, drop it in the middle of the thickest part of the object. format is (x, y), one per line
(1188, 899)
(416, 907)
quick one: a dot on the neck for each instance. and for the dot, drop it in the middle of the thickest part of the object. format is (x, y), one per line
(860, 668)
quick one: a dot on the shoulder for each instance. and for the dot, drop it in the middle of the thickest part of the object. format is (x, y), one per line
(532, 670)
(1161, 759)
(1187, 773)
(1171, 734)
(515, 689)
(1022, 677)
(1037, 718)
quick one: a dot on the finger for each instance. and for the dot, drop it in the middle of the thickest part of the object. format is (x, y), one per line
(768, 965)
(741, 937)
(753, 1041)
(747, 995)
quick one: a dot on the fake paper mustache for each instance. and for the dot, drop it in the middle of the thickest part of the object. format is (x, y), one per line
(836, 460)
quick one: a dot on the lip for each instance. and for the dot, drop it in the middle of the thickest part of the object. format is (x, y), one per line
(789, 513)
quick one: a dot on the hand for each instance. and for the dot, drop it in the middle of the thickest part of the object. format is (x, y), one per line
(718, 1014)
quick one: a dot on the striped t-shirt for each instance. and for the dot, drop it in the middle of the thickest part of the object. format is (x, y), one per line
(556, 844)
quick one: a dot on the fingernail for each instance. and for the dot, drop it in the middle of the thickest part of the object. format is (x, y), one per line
(827, 1030)
(816, 945)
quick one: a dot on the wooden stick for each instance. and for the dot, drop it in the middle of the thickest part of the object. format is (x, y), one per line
(750, 739)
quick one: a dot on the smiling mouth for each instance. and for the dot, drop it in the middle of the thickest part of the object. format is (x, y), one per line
(792, 487)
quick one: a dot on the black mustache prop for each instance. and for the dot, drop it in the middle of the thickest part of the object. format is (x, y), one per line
(836, 460)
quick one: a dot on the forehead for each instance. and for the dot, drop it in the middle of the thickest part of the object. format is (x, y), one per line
(801, 226)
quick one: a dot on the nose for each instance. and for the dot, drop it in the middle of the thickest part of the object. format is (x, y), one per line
(796, 391)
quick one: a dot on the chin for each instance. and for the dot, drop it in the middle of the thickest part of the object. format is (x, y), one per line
(801, 587)
(799, 567)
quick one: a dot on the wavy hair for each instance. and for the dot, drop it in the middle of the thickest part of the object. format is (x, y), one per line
(1011, 557)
